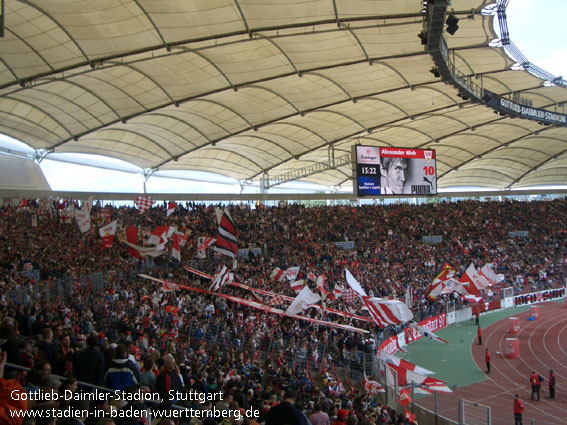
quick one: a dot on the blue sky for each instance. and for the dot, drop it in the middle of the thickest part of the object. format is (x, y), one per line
(537, 27)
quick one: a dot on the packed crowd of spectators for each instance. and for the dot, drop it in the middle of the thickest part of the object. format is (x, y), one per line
(129, 334)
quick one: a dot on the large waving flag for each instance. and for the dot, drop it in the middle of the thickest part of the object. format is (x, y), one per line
(148, 251)
(322, 285)
(176, 246)
(132, 235)
(490, 276)
(277, 274)
(291, 273)
(425, 383)
(298, 285)
(372, 387)
(472, 277)
(107, 234)
(349, 296)
(144, 202)
(83, 218)
(227, 238)
(353, 283)
(471, 288)
(160, 235)
(303, 301)
(387, 312)
(404, 364)
(222, 278)
(203, 242)
(425, 332)
(438, 284)
(170, 208)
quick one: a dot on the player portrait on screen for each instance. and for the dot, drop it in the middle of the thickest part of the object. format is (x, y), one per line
(405, 171)
(393, 174)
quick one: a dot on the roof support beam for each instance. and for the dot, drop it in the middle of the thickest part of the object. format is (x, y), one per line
(34, 106)
(210, 62)
(143, 136)
(181, 43)
(282, 51)
(255, 86)
(243, 18)
(156, 29)
(387, 65)
(29, 46)
(94, 117)
(92, 93)
(114, 86)
(154, 82)
(323, 76)
(61, 27)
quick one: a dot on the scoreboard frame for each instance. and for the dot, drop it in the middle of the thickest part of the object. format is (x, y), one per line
(418, 166)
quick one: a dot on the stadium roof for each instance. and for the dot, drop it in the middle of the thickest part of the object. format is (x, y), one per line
(278, 88)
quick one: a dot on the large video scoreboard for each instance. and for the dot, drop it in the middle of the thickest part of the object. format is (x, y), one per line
(389, 171)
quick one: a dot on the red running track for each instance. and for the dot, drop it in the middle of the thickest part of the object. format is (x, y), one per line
(543, 346)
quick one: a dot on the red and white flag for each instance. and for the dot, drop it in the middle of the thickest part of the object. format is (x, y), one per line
(298, 285)
(107, 234)
(472, 277)
(277, 274)
(387, 312)
(303, 301)
(169, 286)
(409, 415)
(83, 218)
(148, 251)
(490, 276)
(276, 300)
(222, 278)
(372, 387)
(171, 309)
(311, 276)
(436, 287)
(291, 273)
(184, 234)
(353, 283)
(349, 296)
(230, 375)
(132, 236)
(404, 364)
(144, 202)
(227, 238)
(203, 243)
(405, 397)
(424, 382)
(160, 235)
(322, 285)
(170, 208)
(469, 290)
(338, 292)
(425, 332)
(176, 246)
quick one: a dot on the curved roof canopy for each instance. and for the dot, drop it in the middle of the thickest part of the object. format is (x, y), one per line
(278, 87)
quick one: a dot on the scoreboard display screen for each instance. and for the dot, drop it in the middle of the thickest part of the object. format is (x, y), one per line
(389, 171)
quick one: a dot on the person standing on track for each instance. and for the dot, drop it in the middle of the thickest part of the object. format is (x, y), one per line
(479, 334)
(536, 385)
(518, 410)
(551, 384)
(487, 359)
